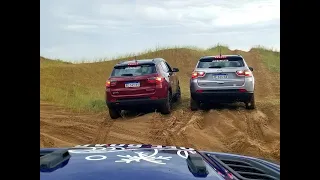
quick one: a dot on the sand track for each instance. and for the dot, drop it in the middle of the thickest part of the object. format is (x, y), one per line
(228, 128)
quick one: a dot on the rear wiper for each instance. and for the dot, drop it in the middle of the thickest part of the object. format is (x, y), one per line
(127, 75)
(215, 67)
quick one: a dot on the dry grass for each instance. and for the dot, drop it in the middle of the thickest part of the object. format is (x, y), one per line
(270, 57)
(81, 86)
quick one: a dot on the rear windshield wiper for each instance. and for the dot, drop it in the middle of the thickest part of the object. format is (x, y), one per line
(126, 74)
(215, 67)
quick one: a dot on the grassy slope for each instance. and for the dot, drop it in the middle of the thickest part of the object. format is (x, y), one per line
(271, 58)
(81, 86)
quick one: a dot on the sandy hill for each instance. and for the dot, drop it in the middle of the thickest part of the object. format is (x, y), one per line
(73, 108)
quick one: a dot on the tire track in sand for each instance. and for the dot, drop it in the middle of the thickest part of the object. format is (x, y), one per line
(59, 126)
(227, 129)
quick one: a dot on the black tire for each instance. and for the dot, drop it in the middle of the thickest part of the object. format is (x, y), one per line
(194, 105)
(166, 107)
(177, 96)
(251, 104)
(114, 114)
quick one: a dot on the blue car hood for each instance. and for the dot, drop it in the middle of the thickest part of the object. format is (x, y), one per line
(132, 161)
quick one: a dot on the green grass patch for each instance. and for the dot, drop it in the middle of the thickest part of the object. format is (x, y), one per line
(270, 57)
(76, 98)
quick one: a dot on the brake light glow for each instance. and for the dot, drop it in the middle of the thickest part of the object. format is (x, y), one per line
(246, 73)
(155, 80)
(110, 83)
(159, 79)
(220, 57)
(198, 74)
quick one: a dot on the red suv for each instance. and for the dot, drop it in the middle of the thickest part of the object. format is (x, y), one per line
(141, 84)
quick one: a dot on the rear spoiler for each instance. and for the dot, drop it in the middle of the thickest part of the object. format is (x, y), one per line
(230, 58)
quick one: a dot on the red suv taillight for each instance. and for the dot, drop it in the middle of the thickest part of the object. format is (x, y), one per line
(110, 83)
(156, 80)
(153, 80)
(197, 74)
(246, 73)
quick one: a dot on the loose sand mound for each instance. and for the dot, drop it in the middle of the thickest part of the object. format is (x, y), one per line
(226, 128)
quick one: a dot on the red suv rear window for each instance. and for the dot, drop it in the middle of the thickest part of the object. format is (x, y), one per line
(136, 70)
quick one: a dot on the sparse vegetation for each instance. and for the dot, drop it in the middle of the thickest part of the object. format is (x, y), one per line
(81, 86)
(270, 57)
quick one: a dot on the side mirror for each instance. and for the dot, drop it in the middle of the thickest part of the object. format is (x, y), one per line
(175, 70)
(251, 69)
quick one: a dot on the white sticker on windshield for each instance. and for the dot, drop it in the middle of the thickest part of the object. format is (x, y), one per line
(96, 150)
(145, 157)
(96, 157)
(185, 154)
(182, 152)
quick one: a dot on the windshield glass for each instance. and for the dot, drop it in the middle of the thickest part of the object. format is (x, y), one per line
(222, 63)
(138, 70)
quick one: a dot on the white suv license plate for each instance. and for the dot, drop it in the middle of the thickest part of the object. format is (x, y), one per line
(128, 85)
(220, 77)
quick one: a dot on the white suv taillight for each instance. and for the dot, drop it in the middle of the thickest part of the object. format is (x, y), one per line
(197, 74)
(246, 73)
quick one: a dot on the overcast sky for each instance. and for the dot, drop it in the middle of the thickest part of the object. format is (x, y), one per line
(91, 29)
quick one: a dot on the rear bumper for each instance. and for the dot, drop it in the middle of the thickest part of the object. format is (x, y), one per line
(136, 103)
(222, 96)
